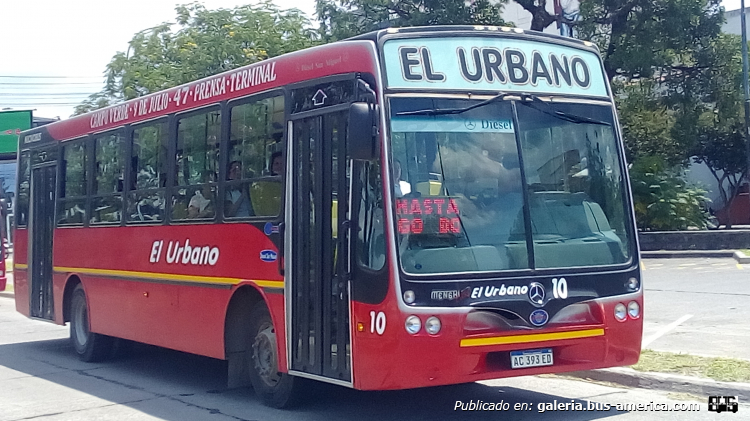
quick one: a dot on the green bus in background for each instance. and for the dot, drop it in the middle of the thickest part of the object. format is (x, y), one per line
(12, 122)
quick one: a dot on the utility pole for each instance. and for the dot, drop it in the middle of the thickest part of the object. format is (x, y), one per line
(747, 93)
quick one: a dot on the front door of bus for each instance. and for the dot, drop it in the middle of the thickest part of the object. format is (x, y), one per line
(320, 336)
(41, 225)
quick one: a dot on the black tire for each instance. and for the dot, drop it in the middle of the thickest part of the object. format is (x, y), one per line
(275, 389)
(89, 346)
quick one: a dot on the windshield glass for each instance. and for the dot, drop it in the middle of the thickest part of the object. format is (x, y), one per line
(460, 184)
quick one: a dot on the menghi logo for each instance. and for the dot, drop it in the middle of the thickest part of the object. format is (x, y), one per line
(185, 254)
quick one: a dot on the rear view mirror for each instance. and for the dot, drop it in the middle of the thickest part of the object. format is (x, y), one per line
(362, 131)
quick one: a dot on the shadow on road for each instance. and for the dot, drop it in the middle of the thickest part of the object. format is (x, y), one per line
(172, 385)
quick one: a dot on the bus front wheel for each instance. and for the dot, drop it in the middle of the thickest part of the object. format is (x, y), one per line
(274, 388)
(89, 346)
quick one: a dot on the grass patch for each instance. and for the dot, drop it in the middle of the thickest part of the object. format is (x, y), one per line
(746, 252)
(720, 369)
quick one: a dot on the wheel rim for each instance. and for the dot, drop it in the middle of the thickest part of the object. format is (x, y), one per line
(264, 357)
(81, 324)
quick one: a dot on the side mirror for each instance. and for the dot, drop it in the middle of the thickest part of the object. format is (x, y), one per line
(362, 131)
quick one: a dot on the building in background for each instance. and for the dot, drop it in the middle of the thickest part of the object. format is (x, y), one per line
(739, 213)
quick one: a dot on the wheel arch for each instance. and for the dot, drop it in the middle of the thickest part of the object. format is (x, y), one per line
(237, 333)
(70, 285)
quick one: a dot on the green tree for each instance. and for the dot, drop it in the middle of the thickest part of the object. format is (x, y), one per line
(341, 19)
(662, 200)
(647, 124)
(201, 43)
(719, 141)
(640, 37)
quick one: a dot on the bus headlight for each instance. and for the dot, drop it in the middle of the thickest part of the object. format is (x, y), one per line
(413, 324)
(620, 312)
(632, 284)
(634, 310)
(432, 325)
(409, 297)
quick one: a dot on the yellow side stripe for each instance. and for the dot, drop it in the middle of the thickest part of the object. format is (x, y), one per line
(170, 277)
(20, 266)
(538, 337)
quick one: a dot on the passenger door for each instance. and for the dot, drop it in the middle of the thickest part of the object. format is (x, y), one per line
(317, 270)
(41, 228)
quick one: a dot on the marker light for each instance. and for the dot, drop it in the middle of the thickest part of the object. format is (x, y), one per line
(432, 325)
(634, 310)
(632, 284)
(413, 324)
(409, 297)
(620, 312)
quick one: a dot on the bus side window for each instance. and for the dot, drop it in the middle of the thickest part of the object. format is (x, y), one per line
(106, 203)
(253, 183)
(148, 177)
(72, 204)
(197, 165)
(22, 199)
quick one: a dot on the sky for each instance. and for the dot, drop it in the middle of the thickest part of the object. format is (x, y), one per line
(54, 52)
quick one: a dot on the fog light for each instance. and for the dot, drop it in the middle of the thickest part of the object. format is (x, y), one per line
(432, 325)
(413, 324)
(632, 284)
(409, 297)
(634, 310)
(620, 312)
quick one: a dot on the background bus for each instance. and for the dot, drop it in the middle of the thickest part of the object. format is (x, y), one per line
(451, 204)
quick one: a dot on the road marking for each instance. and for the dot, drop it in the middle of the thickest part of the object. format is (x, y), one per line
(664, 330)
(739, 266)
(643, 265)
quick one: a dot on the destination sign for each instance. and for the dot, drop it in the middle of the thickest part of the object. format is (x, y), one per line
(493, 63)
(432, 215)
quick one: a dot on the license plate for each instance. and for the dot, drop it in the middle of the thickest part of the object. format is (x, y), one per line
(531, 358)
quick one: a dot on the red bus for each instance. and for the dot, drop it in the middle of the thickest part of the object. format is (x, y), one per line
(412, 207)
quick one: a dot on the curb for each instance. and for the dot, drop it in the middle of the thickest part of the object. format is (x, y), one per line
(664, 381)
(7, 294)
(741, 257)
(671, 254)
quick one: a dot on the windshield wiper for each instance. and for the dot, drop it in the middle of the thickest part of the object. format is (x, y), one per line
(444, 111)
(548, 109)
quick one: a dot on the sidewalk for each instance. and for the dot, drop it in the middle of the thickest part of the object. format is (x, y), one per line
(676, 254)
(669, 382)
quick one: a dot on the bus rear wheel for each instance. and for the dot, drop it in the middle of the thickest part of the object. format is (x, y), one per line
(275, 389)
(89, 346)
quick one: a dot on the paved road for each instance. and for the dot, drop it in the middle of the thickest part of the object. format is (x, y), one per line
(40, 378)
(709, 297)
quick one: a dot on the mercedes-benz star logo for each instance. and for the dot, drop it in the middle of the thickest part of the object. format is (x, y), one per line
(536, 293)
(470, 124)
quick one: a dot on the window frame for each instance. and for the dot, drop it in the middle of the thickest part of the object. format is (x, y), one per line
(168, 121)
(172, 186)
(123, 148)
(62, 171)
(224, 164)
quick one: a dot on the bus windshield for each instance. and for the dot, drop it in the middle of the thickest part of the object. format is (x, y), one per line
(461, 182)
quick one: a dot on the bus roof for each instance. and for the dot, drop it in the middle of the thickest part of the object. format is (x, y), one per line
(335, 58)
(356, 54)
